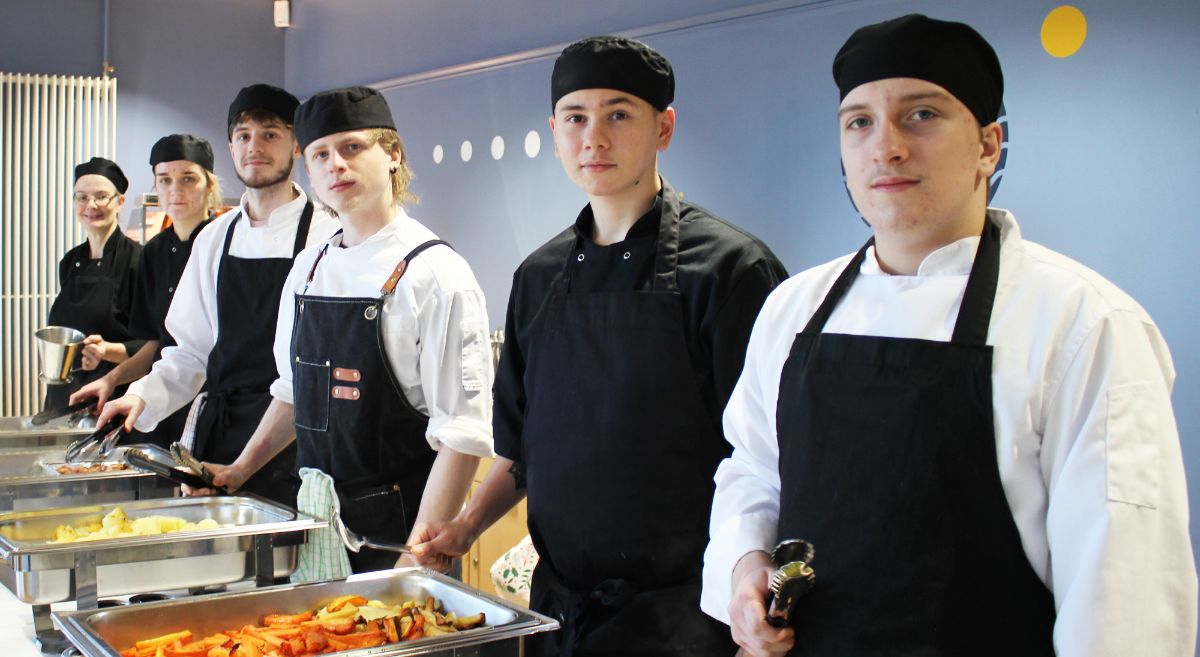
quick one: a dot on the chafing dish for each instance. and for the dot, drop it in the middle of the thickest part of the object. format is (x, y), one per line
(29, 480)
(103, 633)
(257, 538)
(20, 432)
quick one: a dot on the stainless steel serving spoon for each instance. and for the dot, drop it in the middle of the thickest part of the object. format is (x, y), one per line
(355, 541)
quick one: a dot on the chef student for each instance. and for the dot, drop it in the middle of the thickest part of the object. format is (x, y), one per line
(385, 374)
(974, 432)
(626, 335)
(222, 317)
(187, 190)
(97, 277)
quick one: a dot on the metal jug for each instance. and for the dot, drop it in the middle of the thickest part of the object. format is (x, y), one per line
(57, 347)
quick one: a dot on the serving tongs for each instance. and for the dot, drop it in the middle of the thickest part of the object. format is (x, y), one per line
(49, 414)
(355, 541)
(97, 445)
(143, 458)
(793, 578)
(185, 459)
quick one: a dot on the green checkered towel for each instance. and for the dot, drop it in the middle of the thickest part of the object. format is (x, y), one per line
(323, 556)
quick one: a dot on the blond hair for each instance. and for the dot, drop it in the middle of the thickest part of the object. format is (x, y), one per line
(389, 140)
(212, 196)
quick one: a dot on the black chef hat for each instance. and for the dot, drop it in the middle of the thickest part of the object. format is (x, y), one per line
(102, 167)
(613, 62)
(262, 97)
(951, 55)
(341, 110)
(182, 147)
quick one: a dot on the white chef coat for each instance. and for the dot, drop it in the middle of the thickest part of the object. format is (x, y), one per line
(192, 320)
(435, 327)
(1086, 440)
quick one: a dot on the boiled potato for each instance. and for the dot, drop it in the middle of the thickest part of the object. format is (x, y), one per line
(118, 525)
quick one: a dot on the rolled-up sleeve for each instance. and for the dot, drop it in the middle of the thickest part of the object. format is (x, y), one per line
(456, 370)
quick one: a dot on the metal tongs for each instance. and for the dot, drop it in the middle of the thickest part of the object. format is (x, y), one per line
(185, 459)
(97, 445)
(179, 467)
(355, 541)
(49, 414)
(793, 578)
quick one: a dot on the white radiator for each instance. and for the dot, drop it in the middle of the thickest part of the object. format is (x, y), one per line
(48, 124)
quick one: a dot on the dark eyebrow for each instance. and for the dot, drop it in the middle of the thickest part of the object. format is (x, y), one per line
(851, 108)
(907, 98)
(615, 100)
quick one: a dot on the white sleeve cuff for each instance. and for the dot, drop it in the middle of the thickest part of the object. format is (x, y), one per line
(282, 390)
(155, 398)
(734, 539)
(461, 434)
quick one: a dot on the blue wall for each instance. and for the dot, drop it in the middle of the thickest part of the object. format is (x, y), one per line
(334, 43)
(178, 65)
(51, 37)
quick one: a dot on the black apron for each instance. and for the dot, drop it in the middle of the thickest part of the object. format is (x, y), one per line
(87, 303)
(619, 454)
(241, 365)
(353, 421)
(154, 307)
(887, 460)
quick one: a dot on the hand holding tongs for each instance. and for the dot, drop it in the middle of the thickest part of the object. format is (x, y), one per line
(97, 445)
(793, 578)
(185, 459)
(187, 470)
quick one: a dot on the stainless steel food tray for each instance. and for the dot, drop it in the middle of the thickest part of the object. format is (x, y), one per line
(20, 432)
(29, 481)
(257, 538)
(104, 633)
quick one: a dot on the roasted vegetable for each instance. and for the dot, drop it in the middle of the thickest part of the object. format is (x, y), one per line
(345, 623)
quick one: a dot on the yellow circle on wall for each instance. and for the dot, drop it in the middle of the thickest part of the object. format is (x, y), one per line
(1063, 31)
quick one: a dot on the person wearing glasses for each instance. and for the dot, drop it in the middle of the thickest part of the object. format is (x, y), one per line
(97, 277)
(189, 191)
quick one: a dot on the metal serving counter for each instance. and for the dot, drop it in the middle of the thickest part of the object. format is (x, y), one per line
(29, 480)
(256, 538)
(104, 633)
(20, 432)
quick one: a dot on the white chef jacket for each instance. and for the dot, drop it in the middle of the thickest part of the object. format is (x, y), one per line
(179, 375)
(1086, 440)
(435, 327)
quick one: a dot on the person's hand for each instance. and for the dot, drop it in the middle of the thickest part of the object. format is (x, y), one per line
(230, 477)
(131, 406)
(436, 544)
(748, 610)
(100, 389)
(93, 352)
(97, 349)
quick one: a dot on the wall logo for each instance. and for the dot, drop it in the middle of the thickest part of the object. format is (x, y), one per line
(999, 175)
